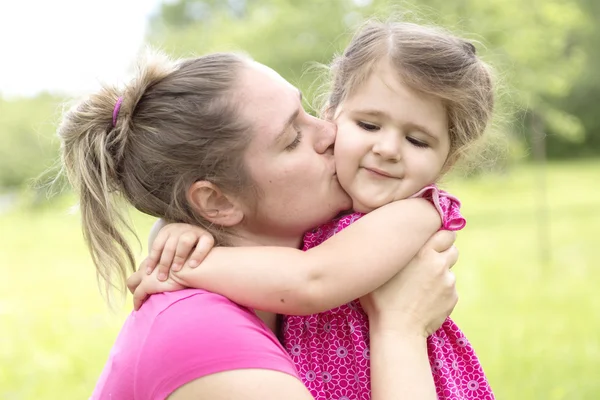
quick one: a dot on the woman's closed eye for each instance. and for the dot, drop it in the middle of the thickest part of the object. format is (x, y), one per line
(367, 126)
(296, 141)
(416, 142)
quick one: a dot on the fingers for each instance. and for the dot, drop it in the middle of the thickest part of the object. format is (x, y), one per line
(143, 291)
(166, 258)
(451, 256)
(441, 241)
(186, 243)
(139, 296)
(134, 280)
(156, 250)
(205, 244)
(175, 244)
(150, 285)
(451, 282)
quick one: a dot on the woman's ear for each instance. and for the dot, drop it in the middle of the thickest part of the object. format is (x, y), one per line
(213, 205)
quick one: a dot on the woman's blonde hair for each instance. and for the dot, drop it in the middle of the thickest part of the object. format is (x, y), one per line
(428, 59)
(175, 124)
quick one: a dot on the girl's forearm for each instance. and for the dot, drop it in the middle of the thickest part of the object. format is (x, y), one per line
(347, 266)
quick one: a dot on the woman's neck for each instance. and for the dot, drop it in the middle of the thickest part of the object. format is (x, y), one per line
(270, 319)
(248, 239)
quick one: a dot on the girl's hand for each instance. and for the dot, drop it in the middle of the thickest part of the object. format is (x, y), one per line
(421, 296)
(142, 285)
(173, 245)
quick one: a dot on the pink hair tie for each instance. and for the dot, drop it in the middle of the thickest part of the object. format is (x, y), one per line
(116, 110)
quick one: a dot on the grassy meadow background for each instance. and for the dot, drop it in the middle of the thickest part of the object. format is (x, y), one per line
(529, 269)
(535, 326)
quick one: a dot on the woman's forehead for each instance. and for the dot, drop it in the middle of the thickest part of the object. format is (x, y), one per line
(266, 100)
(270, 72)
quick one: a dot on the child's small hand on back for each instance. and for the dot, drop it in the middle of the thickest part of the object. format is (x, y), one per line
(142, 286)
(176, 243)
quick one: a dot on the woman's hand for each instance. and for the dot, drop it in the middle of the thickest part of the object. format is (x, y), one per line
(402, 313)
(421, 296)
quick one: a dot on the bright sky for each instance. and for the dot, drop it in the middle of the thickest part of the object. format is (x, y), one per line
(68, 46)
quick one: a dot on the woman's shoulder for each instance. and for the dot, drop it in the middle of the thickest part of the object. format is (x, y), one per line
(194, 333)
(166, 304)
(208, 315)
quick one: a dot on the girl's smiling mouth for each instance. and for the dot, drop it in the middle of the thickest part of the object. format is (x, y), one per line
(379, 173)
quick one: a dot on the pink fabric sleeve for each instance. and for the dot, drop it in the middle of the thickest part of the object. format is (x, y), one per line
(447, 205)
(202, 335)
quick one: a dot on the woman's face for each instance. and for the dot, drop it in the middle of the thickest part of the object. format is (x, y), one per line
(290, 160)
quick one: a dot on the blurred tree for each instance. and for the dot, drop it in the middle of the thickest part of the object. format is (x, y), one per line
(584, 99)
(532, 44)
(29, 145)
(545, 52)
(533, 47)
(286, 35)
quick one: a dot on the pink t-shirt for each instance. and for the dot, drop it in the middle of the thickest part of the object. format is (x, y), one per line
(180, 336)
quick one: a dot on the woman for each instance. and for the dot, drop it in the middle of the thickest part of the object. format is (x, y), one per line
(205, 141)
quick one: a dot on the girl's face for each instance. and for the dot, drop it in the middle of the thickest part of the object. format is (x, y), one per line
(392, 141)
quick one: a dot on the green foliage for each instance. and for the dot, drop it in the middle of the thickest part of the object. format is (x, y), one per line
(287, 36)
(582, 102)
(533, 325)
(545, 53)
(540, 49)
(29, 144)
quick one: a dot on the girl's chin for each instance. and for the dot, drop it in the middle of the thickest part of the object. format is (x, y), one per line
(361, 207)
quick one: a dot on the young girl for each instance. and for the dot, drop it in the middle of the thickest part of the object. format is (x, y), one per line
(407, 100)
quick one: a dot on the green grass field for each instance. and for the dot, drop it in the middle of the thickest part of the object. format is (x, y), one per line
(534, 323)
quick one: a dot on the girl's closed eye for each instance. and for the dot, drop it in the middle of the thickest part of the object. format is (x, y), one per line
(367, 126)
(416, 142)
(296, 141)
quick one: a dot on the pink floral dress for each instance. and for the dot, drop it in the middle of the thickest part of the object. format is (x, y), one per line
(331, 349)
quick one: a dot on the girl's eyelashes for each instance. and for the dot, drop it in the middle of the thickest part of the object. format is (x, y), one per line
(296, 141)
(416, 142)
(367, 126)
(373, 128)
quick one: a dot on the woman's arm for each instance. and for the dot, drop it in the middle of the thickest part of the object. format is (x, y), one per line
(402, 313)
(248, 384)
(350, 264)
(203, 346)
(400, 367)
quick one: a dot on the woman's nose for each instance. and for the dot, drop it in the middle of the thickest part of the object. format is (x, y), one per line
(325, 135)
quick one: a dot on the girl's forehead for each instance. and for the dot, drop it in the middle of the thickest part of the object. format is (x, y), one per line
(382, 101)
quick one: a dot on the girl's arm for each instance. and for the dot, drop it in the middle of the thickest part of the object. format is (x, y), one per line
(347, 266)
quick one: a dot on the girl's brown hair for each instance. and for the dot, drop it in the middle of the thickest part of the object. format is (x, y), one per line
(429, 60)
